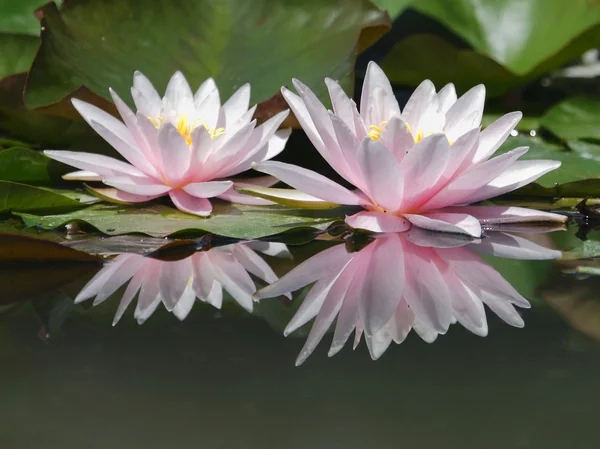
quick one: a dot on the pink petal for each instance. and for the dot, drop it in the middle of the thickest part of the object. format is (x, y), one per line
(137, 186)
(513, 247)
(97, 163)
(446, 97)
(190, 204)
(149, 292)
(328, 311)
(494, 135)
(446, 222)
(209, 109)
(203, 275)
(382, 174)
(502, 308)
(493, 215)
(130, 292)
(237, 104)
(472, 269)
(466, 113)
(324, 264)
(380, 341)
(377, 222)
(82, 175)
(178, 99)
(425, 290)
(518, 175)
(185, 304)
(433, 239)
(203, 91)
(254, 264)
(175, 153)
(343, 107)
(263, 144)
(471, 183)
(383, 282)
(147, 100)
(235, 280)
(173, 280)
(207, 189)
(311, 305)
(397, 138)
(404, 319)
(423, 167)
(97, 284)
(418, 104)
(119, 196)
(310, 182)
(386, 106)
(348, 316)
(313, 117)
(233, 196)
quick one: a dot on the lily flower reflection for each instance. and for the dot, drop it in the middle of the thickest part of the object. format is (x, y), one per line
(184, 145)
(417, 280)
(176, 285)
(409, 166)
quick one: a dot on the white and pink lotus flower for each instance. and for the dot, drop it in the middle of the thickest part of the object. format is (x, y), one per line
(184, 145)
(416, 280)
(176, 285)
(409, 167)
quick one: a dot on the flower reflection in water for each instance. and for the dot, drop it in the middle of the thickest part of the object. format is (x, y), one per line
(401, 281)
(203, 275)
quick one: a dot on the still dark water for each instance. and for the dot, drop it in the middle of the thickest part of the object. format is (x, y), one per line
(226, 379)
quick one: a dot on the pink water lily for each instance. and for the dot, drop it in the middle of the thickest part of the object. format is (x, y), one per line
(184, 145)
(419, 280)
(176, 285)
(408, 166)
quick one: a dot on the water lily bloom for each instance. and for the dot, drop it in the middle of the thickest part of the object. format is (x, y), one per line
(409, 166)
(176, 285)
(184, 145)
(418, 280)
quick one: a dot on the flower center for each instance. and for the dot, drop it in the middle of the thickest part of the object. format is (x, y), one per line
(375, 131)
(185, 127)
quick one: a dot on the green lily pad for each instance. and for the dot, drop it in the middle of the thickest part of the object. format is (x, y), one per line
(18, 16)
(575, 118)
(16, 52)
(422, 56)
(578, 176)
(228, 220)
(520, 35)
(393, 7)
(28, 166)
(266, 43)
(25, 198)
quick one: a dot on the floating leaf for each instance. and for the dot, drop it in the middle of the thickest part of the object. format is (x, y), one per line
(422, 56)
(520, 35)
(29, 166)
(574, 167)
(20, 248)
(16, 52)
(393, 7)
(32, 267)
(18, 16)
(266, 43)
(575, 118)
(51, 127)
(25, 198)
(229, 220)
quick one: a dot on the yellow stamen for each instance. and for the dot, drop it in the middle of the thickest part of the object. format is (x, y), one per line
(185, 127)
(376, 131)
(214, 132)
